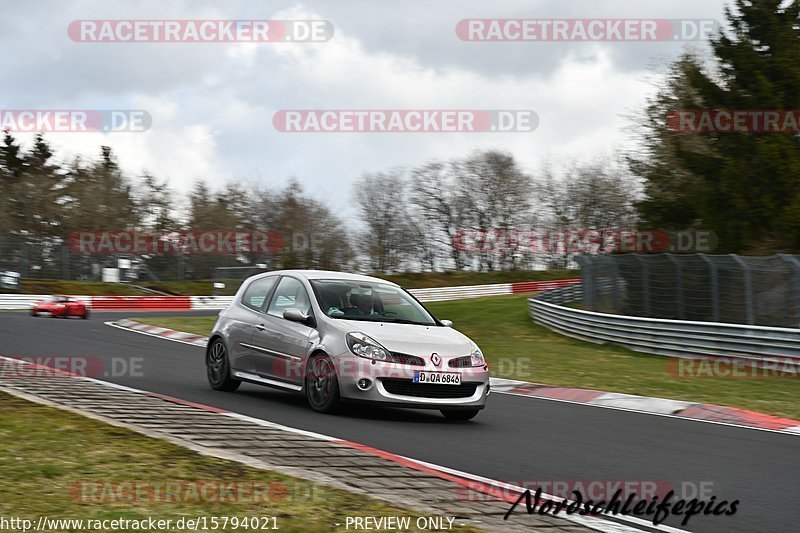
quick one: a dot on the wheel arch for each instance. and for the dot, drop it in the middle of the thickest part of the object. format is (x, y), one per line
(216, 336)
(314, 353)
(317, 351)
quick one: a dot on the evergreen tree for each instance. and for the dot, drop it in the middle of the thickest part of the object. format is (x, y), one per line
(12, 166)
(743, 186)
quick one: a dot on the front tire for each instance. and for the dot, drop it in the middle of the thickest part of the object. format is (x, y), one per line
(218, 367)
(461, 415)
(322, 385)
(85, 315)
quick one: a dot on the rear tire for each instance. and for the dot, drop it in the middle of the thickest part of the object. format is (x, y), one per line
(218, 367)
(322, 384)
(460, 415)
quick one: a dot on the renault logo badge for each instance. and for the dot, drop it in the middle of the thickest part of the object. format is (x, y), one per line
(435, 359)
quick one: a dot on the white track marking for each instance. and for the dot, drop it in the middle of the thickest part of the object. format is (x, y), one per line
(788, 431)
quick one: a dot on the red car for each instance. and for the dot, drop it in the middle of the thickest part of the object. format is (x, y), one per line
(61, 306)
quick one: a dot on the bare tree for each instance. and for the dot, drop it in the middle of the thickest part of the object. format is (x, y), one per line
(498, 198)
(441, 209)
(596, 195)
(313, 237)
(388, 236)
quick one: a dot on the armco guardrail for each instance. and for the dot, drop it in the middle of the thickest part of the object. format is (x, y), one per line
(498, 289)
(110, 303)
(211, 302)
(457, 293)
(676, 338)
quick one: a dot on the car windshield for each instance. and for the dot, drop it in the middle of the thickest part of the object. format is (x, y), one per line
(58, 299)
(378, 302)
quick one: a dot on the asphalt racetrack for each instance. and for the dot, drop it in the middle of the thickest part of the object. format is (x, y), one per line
(516, 439)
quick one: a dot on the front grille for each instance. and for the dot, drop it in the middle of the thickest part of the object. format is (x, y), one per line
(405, 359)
(406, 387)
(460, 362)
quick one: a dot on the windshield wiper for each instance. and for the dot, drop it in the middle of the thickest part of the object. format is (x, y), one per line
(405, 321)
(378, 318)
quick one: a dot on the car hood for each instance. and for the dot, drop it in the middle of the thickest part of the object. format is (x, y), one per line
(414, 340)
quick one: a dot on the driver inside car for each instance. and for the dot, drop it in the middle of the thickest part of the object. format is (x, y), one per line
(360, 305)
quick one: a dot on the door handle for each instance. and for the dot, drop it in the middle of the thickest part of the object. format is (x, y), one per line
(261, 327)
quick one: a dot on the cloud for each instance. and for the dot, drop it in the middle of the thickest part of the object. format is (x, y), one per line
(212, 104)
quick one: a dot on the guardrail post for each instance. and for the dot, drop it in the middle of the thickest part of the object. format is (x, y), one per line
(748, 288)
(679, 279)
(792, 260)
(714, 287)
(645, 284)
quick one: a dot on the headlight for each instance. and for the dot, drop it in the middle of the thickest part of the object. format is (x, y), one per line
(476, 357)
(367, 347)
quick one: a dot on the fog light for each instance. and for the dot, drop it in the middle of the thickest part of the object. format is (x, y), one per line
(364, 384)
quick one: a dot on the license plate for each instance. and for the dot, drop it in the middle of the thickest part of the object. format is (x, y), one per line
(440, 378)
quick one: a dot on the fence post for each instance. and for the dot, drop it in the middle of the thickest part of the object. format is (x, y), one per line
(645, 284)
(748, 288)
(585, 263)
(23, 258)
(65, 258)
(615, 274)
(795, 294)
(679, 279)
(714, 287)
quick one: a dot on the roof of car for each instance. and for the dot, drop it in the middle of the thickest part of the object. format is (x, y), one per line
(331, 274)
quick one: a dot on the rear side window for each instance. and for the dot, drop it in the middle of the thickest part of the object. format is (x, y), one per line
(289, 294)
(257, 292)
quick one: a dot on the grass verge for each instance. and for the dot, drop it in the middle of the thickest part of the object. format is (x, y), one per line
(50, 456)
(516, 348)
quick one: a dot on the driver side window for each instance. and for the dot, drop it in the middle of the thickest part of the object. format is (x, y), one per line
(289, 294)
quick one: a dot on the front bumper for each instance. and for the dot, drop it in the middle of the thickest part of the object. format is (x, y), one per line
(391, 384)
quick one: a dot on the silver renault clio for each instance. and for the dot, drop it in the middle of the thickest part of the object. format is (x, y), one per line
(344, 337)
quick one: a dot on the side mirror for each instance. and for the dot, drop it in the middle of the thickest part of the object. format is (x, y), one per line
(296, 315)
(447, 323)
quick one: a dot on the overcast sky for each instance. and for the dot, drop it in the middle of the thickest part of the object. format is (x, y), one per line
(212, 104)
